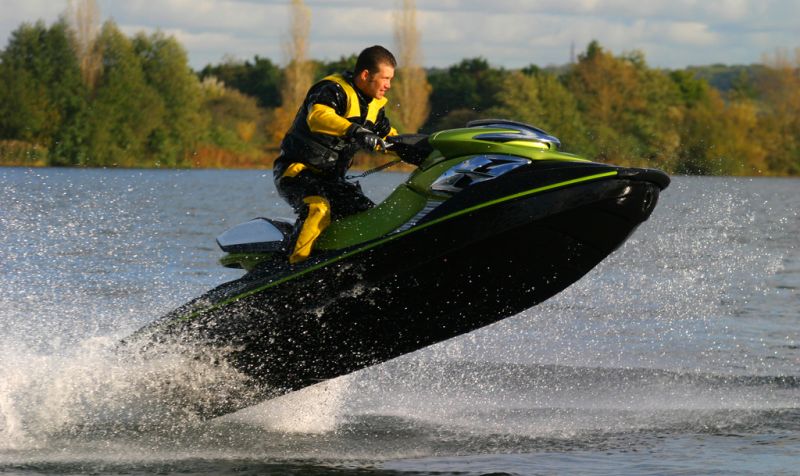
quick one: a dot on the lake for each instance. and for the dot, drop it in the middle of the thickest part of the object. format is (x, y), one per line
(679, 354)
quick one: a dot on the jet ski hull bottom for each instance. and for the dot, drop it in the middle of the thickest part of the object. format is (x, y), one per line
(446, 279)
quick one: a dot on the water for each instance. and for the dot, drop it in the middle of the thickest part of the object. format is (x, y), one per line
(679, 354)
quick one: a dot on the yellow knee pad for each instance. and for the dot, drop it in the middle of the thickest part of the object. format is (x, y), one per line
(319, 217)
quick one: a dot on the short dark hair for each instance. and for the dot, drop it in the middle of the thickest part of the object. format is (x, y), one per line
(371, 59)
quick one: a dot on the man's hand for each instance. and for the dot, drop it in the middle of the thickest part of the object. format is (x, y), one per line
(368, 139)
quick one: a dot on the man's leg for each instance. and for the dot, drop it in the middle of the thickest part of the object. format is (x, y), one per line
(346, 198)
(335, 199)
(315, 218)
(302, 189)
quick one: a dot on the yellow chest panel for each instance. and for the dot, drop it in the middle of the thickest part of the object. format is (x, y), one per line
(353, 107)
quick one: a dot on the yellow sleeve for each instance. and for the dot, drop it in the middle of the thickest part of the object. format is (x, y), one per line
(324, 120)
(392, 132)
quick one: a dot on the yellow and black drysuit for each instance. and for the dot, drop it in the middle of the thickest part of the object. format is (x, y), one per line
(316, 153)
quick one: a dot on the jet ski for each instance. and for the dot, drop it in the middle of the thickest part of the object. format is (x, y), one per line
(494, 220)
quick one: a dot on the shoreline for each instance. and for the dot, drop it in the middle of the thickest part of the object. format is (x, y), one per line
(399, 168)
(404, 168)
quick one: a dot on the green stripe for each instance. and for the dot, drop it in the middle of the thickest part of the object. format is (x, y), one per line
(398, 235)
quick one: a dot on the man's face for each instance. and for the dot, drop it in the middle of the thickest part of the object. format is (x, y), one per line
(376, 85)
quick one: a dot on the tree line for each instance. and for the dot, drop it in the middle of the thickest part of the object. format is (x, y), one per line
(143, 106)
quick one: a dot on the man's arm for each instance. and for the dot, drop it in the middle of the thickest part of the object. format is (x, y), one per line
(324, 120)
(325, 109)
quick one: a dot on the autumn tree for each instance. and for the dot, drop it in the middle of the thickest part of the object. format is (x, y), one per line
(298, 74)
(626, 105)
(84, 17)
(411, 91)
(720, 137)
(779, 89)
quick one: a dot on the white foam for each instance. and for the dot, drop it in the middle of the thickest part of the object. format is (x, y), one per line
(315, 409)
(93, 387)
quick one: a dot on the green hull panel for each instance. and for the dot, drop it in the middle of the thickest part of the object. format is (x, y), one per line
(399, 207)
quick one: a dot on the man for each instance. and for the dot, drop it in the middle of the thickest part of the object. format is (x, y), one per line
(341, 114)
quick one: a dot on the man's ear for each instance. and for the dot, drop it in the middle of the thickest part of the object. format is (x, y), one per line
(364, 75)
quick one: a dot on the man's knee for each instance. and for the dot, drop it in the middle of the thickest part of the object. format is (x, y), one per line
(296, 183)
(294, 169)
(319, 208)
(315, 218)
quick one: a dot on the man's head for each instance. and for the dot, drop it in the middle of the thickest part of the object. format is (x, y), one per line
(374, 71)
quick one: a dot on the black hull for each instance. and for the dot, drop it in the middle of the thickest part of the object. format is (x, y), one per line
(447, 279)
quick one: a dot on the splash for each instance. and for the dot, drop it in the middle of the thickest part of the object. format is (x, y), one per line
(316, 409)
(93, 388)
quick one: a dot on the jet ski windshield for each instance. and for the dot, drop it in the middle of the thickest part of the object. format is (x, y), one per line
(411, 148)
(514, 131)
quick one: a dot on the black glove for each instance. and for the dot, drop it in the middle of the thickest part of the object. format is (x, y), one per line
(367, 139)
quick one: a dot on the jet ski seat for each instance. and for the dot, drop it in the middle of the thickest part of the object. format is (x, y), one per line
(259, 235)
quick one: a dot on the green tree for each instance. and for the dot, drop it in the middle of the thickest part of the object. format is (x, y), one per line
(520, 99)
(260, 78)
(465, 90)
(235, 117)
(29, 112)
(561, 114)
(166, 71)
(125, 109)
(43, 99)
(540, 99)
(697, 123)
(344, 63)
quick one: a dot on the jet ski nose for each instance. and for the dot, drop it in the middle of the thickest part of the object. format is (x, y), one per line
(649, 200)
(654, 176)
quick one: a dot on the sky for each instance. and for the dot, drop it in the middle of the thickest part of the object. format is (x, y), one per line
(508, 33)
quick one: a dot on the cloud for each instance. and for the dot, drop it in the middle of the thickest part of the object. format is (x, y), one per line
(16, 12)
(671, 33)
(511, 33)
(207, 15)
(691, 33)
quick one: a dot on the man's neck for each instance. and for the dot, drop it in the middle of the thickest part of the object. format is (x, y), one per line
(350, 77)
